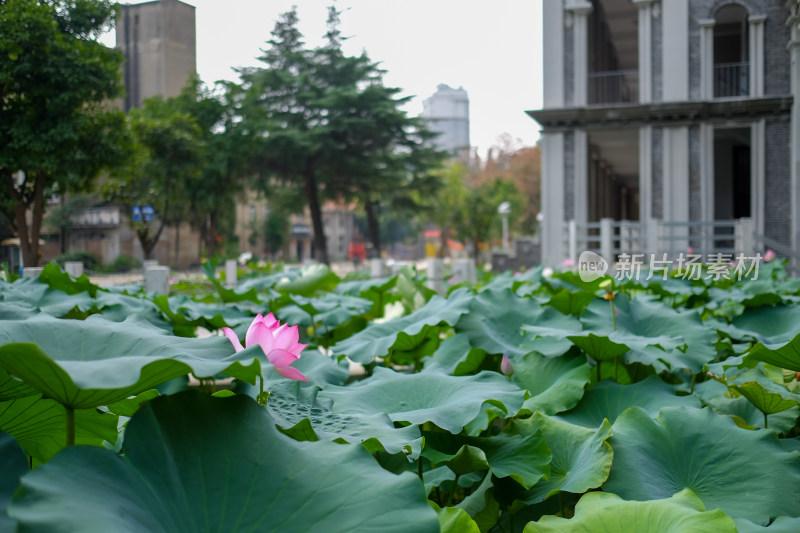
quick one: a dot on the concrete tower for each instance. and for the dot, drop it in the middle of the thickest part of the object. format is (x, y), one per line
(159, 42)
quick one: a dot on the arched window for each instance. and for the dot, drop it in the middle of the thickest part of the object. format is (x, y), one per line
(731, 54)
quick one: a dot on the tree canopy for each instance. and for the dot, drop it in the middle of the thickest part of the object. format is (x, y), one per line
(57, 129)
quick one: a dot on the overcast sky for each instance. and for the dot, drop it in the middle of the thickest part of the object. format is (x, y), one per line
(492, 49)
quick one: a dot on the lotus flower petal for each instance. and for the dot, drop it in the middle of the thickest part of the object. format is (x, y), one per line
(290, 372)
(282, 357)
(286, 338)
(237, 345)
(259, 333)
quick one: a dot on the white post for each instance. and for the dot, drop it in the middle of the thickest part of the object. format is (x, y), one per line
(706, 58)
(645, 16)
(745, 243)
(607, 239)
(573, 240)
(32, 272)
(756, 54)
(230, 273)
(74, 268)
(464, 271)
(156, 279)
(580, 10)
(652, 243)
(436, 274)
(376, 268)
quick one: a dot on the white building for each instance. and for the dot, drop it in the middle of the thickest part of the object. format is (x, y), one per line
(447, 113)
(668, 124)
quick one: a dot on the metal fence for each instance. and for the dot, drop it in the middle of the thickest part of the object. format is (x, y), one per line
(731, 79)
(613, 87)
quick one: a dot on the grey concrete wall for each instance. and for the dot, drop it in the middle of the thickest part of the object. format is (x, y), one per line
(569, 62)
(658, 173)
(695, 206)
(658, 83)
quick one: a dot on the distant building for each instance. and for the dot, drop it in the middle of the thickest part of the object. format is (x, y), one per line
(159, 42)
(447, 113)
(670, 124)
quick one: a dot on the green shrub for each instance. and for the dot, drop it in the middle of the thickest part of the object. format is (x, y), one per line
(89, 260)
(125, 263)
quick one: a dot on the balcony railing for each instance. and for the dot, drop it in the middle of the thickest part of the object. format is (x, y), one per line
(613, 87)
(731, 79)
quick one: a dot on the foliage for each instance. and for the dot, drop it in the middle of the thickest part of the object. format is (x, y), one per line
(677, 420)
(334, 130)
(56, 125)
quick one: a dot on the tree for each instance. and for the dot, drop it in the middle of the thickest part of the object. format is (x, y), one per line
(169, 155)
(57, 131)
(331, 128)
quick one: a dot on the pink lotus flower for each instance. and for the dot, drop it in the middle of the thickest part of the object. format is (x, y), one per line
(505, 366)
(278, 341)
(769, 256)
(568, 262)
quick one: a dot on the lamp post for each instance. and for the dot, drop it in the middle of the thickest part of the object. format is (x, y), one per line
(504, 210)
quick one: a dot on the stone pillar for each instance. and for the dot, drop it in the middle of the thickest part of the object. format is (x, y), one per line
(645, 50)
(758, 174)
(756, 54)
(675, 50)
(645, 172)
(376, 268)
(552, 228)
(32, 272)
(676, 180)
(580, 10)
(580, 206)
(156, 279)
(706, 58)
(707, 171)
(464, 271)
(436, 275)
(794, 167)
(230, 273)
(553, 60)
(74, 268)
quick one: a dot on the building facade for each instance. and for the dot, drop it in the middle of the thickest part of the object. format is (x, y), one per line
(447, 113)
(670, 124)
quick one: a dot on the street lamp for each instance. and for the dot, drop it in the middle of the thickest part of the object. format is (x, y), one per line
(504, 210)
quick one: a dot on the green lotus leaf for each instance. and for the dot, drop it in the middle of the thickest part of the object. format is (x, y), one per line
(481, 505)
(781, 355)
(455, 520)
(769, 325)
(450, 402)
(581, 458)
(765, 401)
(608, 399)
(227, 295)
(378, 339)
(555, 383)
(782, 524)
(330, 311)
(717, 396)
(53, 276)
(92, 362)
(497, 318)
(30, 295)
(655, 334)
(599, 512)
(522, 456)
(571, 302)
(10, 387)
(745, 473)
(456, 356)
(197, 463)
(313, 278)
(40, 425)
(13, 465)
(289, 404)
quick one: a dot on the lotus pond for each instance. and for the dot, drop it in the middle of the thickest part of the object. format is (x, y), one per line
(523, 403)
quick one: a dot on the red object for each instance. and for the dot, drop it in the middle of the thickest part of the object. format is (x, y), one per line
(357, 250)
(432, 233)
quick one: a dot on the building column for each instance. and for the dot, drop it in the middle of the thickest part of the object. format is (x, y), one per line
(675, 50)
(580, 10)
(706, 171)
(553, 60)
(552, 230)
(676, 174)
(756, 54)
(581, 179)
(758, 179)
(645, 50)
(706, 59)
(794, 165)
(645, 172)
